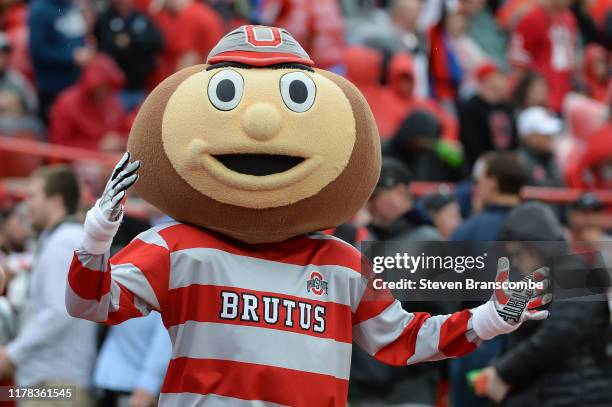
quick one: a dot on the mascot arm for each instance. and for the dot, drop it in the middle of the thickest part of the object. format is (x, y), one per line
(397, 337)
(135, 280)
(130, 285)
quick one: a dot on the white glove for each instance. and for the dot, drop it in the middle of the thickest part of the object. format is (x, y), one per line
(104, 218)
(508, 309)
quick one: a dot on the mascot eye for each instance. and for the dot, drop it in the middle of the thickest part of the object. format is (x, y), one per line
(225, 89)
(298, 91)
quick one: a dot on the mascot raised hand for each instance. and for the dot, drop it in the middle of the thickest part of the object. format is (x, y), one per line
(252, 155)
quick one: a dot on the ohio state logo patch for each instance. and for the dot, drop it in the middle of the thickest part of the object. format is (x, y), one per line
(260, 36)
(316, 284)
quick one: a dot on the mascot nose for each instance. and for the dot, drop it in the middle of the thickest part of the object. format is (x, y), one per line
(261, 121)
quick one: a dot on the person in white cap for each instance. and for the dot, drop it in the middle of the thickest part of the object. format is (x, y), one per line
(538, 129)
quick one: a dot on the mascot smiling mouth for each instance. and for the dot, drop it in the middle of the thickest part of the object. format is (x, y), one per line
(258, 168)
(258, 164)
(259, 171)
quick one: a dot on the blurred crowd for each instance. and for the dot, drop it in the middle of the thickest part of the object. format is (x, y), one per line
(485, 97)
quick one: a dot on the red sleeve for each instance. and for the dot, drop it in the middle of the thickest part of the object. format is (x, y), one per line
(60, 123)
(134, 282)
(524, 42)
(397, 337)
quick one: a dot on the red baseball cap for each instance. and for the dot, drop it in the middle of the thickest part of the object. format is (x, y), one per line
(485, 70)
(259, 45)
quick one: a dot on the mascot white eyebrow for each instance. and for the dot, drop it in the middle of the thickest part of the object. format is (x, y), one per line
(252, 155)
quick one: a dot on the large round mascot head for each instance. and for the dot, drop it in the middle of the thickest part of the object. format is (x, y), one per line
(257, 144)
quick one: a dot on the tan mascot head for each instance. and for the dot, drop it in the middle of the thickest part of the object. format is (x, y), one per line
(256, 145)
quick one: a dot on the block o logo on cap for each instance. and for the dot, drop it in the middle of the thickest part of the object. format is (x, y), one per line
(259, 45)
(273, 33)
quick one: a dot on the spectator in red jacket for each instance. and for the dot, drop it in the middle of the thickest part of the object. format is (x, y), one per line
(316, 24)
(401, 77)
(89, 114)
(594, 169)
(596, 73)
(545, 40)
(190, 30)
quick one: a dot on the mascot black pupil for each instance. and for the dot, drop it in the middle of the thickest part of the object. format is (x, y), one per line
(226, 90)
(298, 91)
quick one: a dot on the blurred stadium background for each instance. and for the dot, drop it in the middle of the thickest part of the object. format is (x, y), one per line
(459, 90)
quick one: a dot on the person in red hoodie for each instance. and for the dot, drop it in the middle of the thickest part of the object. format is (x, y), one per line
(89, 114)
(596, 72)
(594, 169)
(545, 40)
(190, 30)
(316, 24)
(401, 83)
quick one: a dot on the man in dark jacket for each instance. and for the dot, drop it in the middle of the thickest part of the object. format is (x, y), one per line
(498, 185)
(373, 384)
(133, 41)
(486, 121)
(57, 47)
(560, 361)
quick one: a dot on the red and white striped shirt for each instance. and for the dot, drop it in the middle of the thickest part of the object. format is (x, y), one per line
(258, 325)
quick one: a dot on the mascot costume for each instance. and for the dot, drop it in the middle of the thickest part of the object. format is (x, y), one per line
(252, 155)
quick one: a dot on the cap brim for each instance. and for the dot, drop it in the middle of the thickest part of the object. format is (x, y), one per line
(259, 58)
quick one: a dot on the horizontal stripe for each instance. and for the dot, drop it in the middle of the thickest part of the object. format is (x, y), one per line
(133, 279)
(452, 332)
(368, 309)
(216, 267)
(383, 329)
(254, 382)
(93, 310)
(90, 261)
(114, 307)
(127, 306)
(202, 303)
(428, 340)
(88, 283)
(152, 236)
(372, 301)
(198, 400)
(144, 269)
(399, 352)
(249, 344)
(299, 250)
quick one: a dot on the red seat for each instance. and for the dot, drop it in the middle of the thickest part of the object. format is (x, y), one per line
(18, 164)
